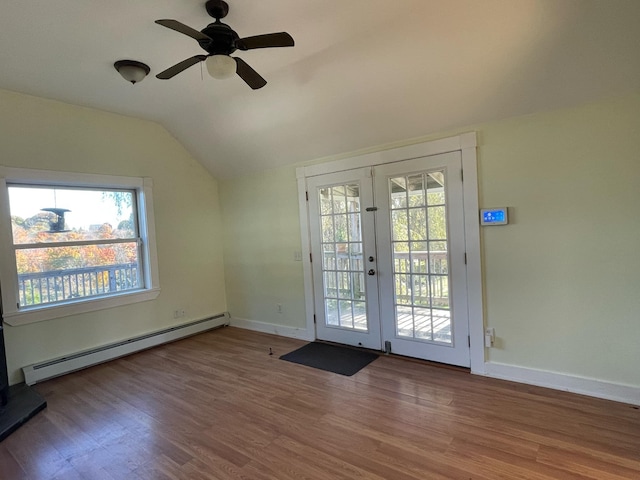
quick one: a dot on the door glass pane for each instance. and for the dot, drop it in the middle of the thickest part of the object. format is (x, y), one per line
(346, 314)
(353, 198)
(400, 225)
(330, 282)
(328, 257)
(326, 205)
(398, 187)
(358, 286)
(339, 199)
(416, 191)
(327, 228)
(344, 285)
(331, 313)
(435, 189)
(437, 223)
(343, 267)
(420, 257)
(360, 316)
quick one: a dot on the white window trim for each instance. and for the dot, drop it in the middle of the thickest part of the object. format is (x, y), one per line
(8, 271)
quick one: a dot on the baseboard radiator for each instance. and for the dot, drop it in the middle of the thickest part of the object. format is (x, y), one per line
(70, 363)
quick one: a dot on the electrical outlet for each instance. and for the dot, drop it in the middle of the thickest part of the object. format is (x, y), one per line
(297, 256)
(489, 337)
(279, 307)
(179, 313)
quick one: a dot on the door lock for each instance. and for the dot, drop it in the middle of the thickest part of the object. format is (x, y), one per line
(371, 259)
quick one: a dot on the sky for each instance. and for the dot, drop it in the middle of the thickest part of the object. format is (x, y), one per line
(87, 207)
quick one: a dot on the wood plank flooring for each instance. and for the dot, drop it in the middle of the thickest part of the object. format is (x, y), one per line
(218, 406)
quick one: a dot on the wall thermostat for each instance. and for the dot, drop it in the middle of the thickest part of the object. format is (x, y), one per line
(494, 216)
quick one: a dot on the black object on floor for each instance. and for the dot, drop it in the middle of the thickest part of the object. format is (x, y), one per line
(24, 402)
(331, 358)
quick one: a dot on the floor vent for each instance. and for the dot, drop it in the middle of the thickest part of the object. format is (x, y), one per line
(77, 361)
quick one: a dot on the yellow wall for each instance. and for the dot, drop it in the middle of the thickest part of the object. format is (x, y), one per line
(262, 234)
(43, 134)
(561, 282)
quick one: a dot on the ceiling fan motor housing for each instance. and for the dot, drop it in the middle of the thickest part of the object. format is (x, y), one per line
(222, 39)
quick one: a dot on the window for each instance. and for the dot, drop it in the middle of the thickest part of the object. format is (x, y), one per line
(74, 243)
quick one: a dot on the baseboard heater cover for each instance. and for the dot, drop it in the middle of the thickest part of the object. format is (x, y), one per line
(70, 363)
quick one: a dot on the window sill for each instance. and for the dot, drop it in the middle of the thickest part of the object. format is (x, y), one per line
(50, 312)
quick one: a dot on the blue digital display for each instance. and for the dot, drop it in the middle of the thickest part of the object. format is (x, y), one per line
(493, 216)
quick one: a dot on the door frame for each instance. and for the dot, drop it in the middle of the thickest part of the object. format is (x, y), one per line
(466, 144)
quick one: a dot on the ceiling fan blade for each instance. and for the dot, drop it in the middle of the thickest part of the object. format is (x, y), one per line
(248, 74)
(182, 28)
(179, 67)
(281, 39)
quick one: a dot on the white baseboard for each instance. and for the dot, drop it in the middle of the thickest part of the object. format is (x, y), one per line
(541, 378)
(569, 383)
(263, 327)
(87, 358)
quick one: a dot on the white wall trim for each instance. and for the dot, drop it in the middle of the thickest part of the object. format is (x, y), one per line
(475, 304)
(307, 272)
(568, 383)
(49, 312)
(424, 149)
(272, 328)
(465, 143)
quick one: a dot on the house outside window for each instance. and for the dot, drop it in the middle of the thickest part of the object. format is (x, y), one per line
(74, 243)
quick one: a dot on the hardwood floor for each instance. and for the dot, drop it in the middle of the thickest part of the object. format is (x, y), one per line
(218, 406)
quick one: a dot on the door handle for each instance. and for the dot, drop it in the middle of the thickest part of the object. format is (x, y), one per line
(371, 271)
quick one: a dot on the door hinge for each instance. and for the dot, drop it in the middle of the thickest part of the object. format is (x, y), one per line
(307, 195)
(462, 175)
(465, 258)
(469, 340)
(314, 318)
(310, 258)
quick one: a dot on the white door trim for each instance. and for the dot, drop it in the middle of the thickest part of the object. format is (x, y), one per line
(465, 143)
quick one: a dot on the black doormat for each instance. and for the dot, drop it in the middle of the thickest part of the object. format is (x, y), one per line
(332, 358)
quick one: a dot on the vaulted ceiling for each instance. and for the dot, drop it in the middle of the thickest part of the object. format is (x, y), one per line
(362, 73)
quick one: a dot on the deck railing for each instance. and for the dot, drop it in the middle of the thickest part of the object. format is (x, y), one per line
(61, 285)
(421, 277)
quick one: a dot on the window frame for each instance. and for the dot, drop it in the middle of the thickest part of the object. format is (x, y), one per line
(142, 186)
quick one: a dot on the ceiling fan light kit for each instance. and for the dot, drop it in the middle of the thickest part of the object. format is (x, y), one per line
(221, 66)
(220, 41)
(132, 70)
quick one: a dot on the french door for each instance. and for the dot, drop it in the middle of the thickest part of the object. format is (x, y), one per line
(343, 249)
(388, 256)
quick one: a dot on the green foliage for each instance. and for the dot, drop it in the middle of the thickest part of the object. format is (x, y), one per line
(121, 200)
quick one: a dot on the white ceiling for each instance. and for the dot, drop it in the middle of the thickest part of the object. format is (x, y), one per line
(362, 73)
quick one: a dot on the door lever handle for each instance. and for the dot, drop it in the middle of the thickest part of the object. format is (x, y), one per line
(371, 271)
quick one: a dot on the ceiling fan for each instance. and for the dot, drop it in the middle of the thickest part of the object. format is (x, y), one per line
(220, 41)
